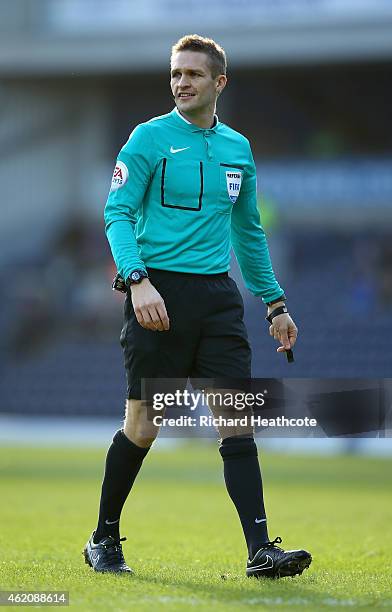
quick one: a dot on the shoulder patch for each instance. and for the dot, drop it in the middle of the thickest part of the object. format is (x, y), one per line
(120, 176)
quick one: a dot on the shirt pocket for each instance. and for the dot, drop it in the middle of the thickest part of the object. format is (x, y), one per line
(230, 181)
(182, 184)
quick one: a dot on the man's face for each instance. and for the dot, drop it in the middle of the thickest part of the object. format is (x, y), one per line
(191, 82)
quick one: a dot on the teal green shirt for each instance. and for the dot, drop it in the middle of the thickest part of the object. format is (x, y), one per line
(181, 196)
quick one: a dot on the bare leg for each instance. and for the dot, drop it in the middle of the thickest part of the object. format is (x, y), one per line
(137, 428)
(219, 409)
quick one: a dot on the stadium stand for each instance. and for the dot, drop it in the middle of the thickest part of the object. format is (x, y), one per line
(323, 151)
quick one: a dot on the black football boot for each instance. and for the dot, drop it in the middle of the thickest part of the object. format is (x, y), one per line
(274, 562)
(106, 556)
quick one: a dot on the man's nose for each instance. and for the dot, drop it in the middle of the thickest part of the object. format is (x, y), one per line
(184, 81)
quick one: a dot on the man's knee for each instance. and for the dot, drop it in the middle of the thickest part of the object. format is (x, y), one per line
(138, 427)
(233, 422)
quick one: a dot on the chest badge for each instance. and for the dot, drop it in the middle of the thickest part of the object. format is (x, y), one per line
(233, 182)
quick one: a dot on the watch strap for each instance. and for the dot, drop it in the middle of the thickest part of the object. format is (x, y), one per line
(118, 284)
(136, 277)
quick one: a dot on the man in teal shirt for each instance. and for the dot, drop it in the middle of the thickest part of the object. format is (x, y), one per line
(183, 192)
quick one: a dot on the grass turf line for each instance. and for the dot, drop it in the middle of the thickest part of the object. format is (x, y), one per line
(184, 535)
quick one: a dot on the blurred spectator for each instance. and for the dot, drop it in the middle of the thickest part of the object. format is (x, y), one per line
(384, 273)
(67, 293)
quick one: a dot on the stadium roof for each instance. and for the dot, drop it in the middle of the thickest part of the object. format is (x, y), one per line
(99, 36)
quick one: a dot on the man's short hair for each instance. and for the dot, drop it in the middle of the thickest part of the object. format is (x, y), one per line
(216, 54)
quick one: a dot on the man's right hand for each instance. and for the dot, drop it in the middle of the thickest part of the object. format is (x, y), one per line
(149, 307)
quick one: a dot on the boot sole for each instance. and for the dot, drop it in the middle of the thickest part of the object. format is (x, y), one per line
(294, 566)
(86, 557)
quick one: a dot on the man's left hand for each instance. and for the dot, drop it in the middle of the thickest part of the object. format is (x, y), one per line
(284, 330)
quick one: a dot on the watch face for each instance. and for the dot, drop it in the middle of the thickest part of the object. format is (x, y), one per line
(135, 276)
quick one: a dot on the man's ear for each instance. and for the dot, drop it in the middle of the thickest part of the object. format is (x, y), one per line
(221, 83)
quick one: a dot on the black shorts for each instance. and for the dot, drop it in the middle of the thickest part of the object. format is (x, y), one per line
(207, 336)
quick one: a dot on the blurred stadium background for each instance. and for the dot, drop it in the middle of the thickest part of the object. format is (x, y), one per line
(310, 84)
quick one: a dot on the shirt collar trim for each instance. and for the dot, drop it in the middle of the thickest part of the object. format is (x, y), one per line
(195, 128)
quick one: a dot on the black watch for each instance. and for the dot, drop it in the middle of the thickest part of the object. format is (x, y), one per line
(136, 277)
(281, 298)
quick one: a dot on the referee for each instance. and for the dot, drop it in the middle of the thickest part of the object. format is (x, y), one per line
(183, 192)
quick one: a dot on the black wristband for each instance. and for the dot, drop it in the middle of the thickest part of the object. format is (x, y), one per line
(281, 298)
(278, 311)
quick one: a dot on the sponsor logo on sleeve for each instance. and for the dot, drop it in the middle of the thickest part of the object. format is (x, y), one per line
(233, 182)
(120, 176)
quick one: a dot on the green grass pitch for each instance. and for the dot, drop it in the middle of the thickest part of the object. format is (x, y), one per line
(184, 539)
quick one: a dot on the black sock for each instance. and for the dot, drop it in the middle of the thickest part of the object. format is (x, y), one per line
(123, 462)
(244, 485)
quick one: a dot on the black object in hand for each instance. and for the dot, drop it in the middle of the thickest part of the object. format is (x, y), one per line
(290, 355)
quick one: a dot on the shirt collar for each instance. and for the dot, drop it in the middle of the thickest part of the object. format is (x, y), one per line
(191, 126)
